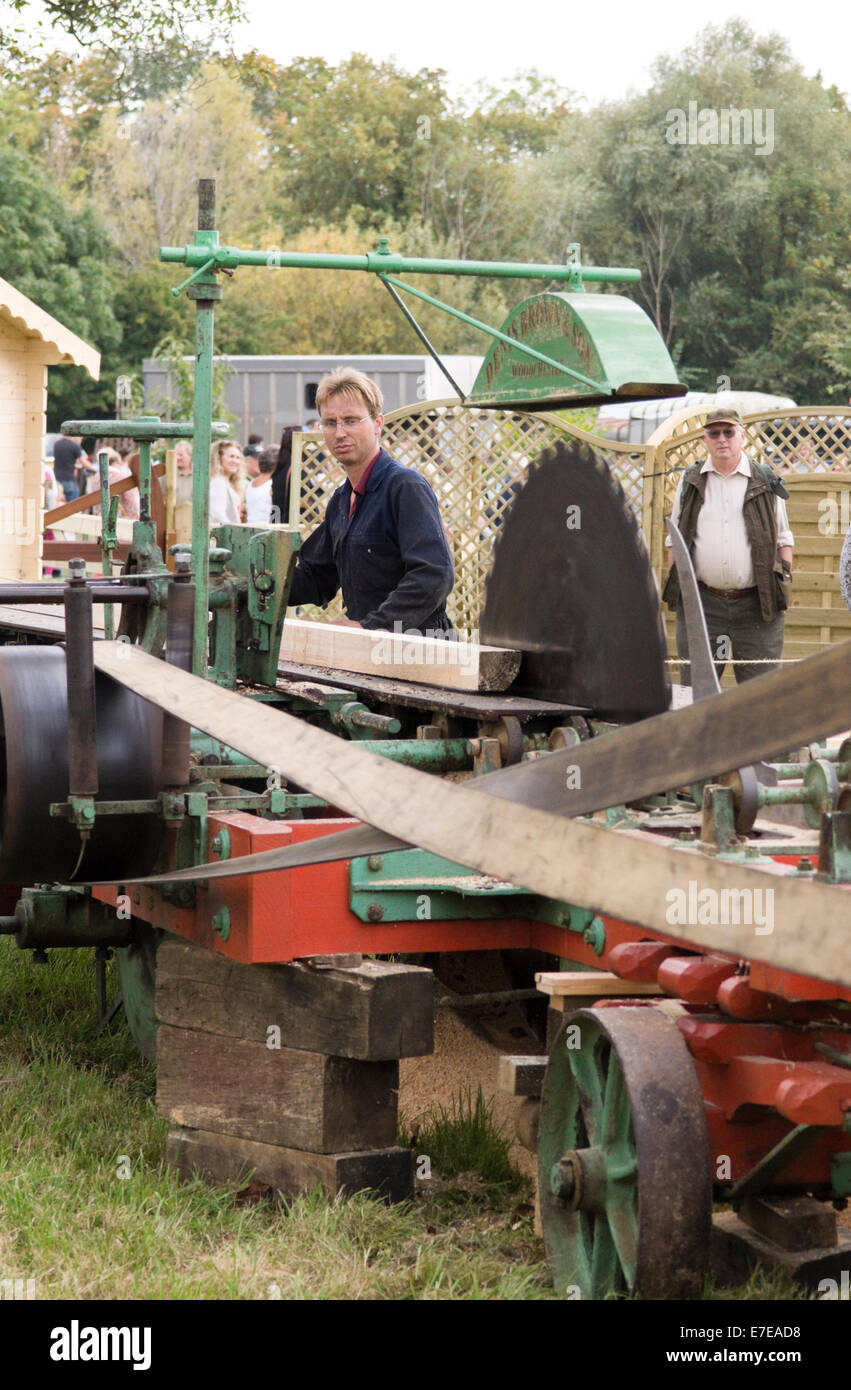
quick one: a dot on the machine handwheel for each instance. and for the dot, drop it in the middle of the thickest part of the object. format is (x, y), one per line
(624, 1161)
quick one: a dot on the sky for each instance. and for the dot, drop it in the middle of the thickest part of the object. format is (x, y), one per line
(599, 52)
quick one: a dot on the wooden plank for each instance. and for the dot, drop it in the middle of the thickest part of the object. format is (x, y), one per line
(301, 1100)
(832, 617)
(86, 525)
(427, 660)
(378, 1011)
(599, 983)
(88, 499)
(57, 552)
(814, 510)
(225, 1158)
(818, 545)
(521, 1076)
(486, 708)
(815, 579)
(624, 873)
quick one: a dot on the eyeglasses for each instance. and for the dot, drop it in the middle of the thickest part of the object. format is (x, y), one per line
(348, 422)
(716, 434)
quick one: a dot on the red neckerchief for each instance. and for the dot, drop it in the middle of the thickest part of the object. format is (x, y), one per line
(359, 488)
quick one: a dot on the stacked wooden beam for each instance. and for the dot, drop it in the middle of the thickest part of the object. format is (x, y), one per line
(288, 1074)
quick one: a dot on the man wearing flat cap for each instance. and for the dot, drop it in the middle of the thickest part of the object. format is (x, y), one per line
(731, 511)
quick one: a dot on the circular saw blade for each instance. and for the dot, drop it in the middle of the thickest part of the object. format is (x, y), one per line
(572, 588)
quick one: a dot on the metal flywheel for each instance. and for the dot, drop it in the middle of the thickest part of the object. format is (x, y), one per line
(624, 1160)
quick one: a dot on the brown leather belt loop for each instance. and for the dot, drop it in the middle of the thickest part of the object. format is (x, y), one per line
(726, 593)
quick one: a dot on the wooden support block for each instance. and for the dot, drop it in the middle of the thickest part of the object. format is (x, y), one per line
(399, 656)
(574, 989)
(736, 1251)
(793, 1223)
(300, 1100)
(377, 1011)
(521, 1076)
(225, 1158)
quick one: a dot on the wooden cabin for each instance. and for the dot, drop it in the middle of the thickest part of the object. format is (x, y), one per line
(30, 342)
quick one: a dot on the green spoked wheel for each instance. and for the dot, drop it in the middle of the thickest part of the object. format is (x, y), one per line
(624, 1161)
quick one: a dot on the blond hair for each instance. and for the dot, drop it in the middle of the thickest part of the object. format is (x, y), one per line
(352, 384)
(239, 479)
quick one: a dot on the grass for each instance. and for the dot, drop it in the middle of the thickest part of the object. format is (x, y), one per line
(465, 1139)
(89, 1209)
(77, 1114)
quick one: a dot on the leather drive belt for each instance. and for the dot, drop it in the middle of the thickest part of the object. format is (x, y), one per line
(610, 871)
(727, 593)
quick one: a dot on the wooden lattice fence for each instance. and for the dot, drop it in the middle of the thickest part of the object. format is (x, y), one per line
(476, 461)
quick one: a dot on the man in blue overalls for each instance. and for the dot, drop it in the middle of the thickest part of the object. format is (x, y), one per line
(382, 541)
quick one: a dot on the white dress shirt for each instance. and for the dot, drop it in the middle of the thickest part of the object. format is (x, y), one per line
(722, 553)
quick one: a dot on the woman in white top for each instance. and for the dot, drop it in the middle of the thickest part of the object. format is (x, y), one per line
(227, 482)
(258, 494)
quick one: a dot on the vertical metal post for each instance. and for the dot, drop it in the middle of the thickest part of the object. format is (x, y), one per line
(205, 292)
(178, 645)
(106, 540)
(145, 480)
(80, 676)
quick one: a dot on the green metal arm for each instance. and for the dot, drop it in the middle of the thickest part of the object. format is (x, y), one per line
(493, 332)
(383, 261)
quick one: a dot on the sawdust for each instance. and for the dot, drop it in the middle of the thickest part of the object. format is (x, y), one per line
(461, 1060)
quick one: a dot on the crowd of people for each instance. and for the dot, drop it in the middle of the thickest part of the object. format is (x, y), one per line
(73, 472)
(250, 484)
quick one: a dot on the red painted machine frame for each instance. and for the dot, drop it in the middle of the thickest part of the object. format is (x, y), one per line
(760, 1073)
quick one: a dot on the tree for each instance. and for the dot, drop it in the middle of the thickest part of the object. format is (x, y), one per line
(62, 261)
(130, 24)
(348, 312)
(143, 169)
(346, 142)
(737, 247)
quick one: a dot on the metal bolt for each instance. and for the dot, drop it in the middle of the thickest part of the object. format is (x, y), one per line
(221, 923)
(594, 935)
(375, 912)
(78, 570)
(374, 861)
(220, 844)
(563, 1179)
